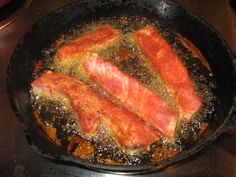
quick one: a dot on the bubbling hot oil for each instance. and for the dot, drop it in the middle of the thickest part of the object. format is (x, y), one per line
(107, 149)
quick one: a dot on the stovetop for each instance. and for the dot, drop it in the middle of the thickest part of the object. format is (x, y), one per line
(18, 159)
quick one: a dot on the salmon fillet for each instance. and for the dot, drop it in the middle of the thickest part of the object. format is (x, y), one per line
(167, 64)
(90, 107)
(71, 93)
(98, 39)
(131, 94)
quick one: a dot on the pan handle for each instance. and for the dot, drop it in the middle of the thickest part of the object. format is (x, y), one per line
(231, 124)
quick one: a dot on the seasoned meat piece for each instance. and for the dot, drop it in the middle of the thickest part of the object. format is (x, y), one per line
(90, 107)
(167, 64)
(131, 94)
(101, 38)
(72, 94)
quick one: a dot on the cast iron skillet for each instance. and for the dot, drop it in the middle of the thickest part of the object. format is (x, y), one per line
(48, 29)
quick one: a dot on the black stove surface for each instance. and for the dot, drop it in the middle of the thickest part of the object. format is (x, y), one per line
(18, 159)
(12, 10)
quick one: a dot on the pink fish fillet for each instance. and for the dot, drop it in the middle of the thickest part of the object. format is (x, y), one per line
(168, 65)
(131, 94)
(99, 38)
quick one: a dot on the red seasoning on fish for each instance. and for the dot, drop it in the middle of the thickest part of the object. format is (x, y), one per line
(167, 64)
(100, 38)
(130, 131)
(131, 94)
(71, 93)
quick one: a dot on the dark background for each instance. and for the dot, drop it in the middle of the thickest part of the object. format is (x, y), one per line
(18, 159)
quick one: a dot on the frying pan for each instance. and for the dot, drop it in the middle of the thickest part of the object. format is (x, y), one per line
(29, 51)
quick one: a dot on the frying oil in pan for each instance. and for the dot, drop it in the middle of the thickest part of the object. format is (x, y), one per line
(60, 124)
